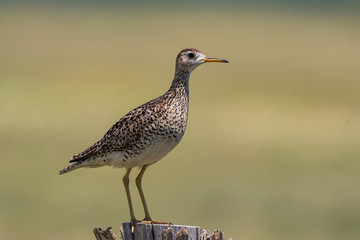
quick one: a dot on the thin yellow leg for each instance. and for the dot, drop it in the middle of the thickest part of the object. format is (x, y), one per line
(138, 184)
(126, 184)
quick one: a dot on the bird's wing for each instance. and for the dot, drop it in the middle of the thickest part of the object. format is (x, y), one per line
(125, 133)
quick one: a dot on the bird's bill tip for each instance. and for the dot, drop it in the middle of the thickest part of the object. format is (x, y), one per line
(215, 60)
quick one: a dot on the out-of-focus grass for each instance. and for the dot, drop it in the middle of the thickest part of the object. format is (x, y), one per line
(272, 146)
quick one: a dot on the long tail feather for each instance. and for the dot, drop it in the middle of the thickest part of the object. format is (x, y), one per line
(73, 167)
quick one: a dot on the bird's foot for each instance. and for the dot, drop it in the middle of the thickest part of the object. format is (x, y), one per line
(150, 221)
(133, 222)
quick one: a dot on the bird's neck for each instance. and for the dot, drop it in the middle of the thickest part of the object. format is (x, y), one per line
(181, 80)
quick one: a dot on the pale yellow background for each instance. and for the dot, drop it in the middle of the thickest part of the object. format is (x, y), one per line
(273, 141)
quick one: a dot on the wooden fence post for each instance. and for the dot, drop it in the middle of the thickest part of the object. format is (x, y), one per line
(144, 231)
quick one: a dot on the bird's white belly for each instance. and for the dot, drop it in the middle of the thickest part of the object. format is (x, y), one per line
(149, 155)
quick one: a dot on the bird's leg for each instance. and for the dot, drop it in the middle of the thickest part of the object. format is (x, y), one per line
(147, 218)
(126, 184)
(138, 184)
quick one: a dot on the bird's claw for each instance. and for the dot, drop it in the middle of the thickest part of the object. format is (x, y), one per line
(133, 222)
(155, 222)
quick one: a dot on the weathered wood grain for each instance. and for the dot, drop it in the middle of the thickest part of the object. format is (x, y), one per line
(167, 234)
(216, 235)
(106, 234)
(144, 231)
(182, 234)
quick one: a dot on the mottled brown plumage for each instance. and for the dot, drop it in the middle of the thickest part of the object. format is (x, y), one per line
(147, 133)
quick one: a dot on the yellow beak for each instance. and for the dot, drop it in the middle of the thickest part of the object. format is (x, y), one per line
(214, 60)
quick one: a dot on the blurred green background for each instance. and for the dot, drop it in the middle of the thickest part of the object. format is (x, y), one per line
(273, 142)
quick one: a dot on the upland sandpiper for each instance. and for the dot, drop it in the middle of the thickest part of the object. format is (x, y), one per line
(146, 134)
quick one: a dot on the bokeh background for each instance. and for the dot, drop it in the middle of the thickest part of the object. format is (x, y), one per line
(273, 142)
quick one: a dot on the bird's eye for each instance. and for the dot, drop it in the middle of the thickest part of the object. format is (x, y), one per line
(191, 55)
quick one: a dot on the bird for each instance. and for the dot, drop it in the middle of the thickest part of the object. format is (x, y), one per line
(147, 133)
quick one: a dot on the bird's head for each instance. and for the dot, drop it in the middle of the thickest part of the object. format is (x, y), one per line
(190, 58)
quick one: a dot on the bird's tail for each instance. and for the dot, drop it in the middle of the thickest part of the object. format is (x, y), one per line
(89, 162)
(74, 166)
